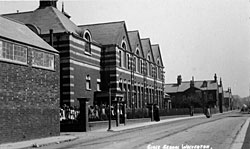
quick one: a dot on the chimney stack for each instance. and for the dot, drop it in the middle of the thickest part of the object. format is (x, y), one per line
(215, 77)
(179, 79)
(192, 82)
(51, 37)
(47, 3)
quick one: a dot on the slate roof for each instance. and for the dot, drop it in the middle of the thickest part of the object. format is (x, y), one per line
(185, 85)
(105, 33)
(17, 31)
(146, 46)
(46, 19)
(157, 53)
(134, 39)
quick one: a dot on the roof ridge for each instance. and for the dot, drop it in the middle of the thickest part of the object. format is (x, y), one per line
(59, 20)
(102, 23)
(16, 21)
(147, 38)
(14, 13)
(156, 44)
(133, 31)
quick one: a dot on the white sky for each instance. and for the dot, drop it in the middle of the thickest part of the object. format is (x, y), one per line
(197, 37)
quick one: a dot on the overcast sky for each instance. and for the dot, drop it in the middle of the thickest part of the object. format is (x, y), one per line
(197, 37)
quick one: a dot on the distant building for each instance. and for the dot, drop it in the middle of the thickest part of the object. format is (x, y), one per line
(29, 84)
(228, 99)
(221, 97)
(193, 93)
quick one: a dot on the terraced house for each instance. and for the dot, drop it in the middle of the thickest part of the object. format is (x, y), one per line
(196, 93)
(99, 58)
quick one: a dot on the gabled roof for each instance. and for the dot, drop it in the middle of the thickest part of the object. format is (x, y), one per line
(46, 19)
(157, 53)
(146, 46)
(19, 32)
(134, 39)
(185, 85)
(106, 33)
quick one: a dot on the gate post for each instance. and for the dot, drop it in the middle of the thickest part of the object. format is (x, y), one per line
(117, 113)
(124, 113)
(84, 116)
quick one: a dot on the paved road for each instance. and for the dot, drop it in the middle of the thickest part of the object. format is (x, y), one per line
(218, 132)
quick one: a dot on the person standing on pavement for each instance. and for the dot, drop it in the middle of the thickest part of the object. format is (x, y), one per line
(156, 113)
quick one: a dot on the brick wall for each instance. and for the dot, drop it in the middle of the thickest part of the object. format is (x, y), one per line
(29, 99)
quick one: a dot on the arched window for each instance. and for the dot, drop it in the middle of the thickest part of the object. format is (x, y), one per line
(87, 37)
(124, 47)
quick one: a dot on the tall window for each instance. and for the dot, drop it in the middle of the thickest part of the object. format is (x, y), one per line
(88, 82)
(13, 52)
(159, 70)
(120, 58)
(156, 71)
(128, 61)
(148, 66)
(135, 64)
(120, 84)
(98, 85)
(88, 44)
(124, 47)
(124, 60)
(152, 70)
(137, 61)
(141, 66)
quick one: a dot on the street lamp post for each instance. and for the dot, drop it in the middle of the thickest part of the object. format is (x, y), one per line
(109, 129)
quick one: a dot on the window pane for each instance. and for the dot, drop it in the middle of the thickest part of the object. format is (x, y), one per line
(13, 52)
(20, 53)
(43, 59)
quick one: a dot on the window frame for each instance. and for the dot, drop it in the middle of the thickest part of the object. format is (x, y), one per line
(87, 47)
(42, 66)
(88, 83)
(13, 46)
(120, 58)
(98, 85)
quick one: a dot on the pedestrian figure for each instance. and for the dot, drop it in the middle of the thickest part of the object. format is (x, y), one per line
(156, 113)
(191, 110)
(208, 112)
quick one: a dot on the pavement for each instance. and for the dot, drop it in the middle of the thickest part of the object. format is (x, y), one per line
(65, 137)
